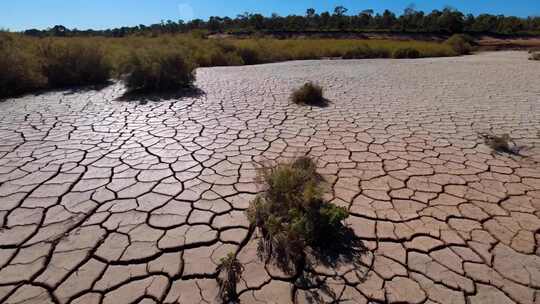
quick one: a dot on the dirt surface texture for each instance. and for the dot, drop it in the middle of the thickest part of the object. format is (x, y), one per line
(111, 199)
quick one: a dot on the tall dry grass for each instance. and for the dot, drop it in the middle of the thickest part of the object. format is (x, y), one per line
(27, 64)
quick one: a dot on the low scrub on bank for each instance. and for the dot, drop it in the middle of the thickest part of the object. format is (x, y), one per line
(20, 68)
(406, 52)
(28, 63)
(461, 44)
(74, 63)
(154, 69)
(291, 214)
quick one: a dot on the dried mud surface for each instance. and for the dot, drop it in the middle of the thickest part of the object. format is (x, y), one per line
(124, 200)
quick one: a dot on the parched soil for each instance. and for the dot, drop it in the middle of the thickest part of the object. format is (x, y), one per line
(135, 200)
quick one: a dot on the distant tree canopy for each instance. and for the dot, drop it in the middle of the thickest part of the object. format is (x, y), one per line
(446, 21)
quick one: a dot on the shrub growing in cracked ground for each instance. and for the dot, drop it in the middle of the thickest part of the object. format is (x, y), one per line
(229, 274)
(291, 214)
(159, 69)
(74, 63)
(308, 94)
(502, 143)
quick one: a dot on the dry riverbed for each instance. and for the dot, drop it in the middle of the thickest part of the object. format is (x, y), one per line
(119, 200)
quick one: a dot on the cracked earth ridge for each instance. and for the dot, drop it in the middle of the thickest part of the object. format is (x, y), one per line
(107, 201)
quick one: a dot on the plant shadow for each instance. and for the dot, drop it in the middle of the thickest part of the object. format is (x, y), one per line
(83, 89)
(143, 97)
(323, 103)
(343, 250)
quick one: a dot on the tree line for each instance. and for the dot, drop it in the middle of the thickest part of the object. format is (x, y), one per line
(445, 21)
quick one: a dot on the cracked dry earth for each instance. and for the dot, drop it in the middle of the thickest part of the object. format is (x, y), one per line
(109, 201)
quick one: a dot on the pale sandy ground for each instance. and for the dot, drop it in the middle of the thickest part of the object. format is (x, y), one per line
(107, 201)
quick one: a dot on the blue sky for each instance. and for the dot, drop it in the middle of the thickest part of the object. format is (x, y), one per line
(23, 14)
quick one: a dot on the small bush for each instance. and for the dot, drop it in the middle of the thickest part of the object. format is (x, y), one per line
(460, 43)
(157, 69)
(406, 52)
(292, 215)
(20, 68)
(309, 94)
(229, 274)
(535, 56)
(73, 63)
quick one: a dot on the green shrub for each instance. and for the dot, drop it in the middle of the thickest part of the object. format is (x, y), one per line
(20, 67)
(159, 69)
(405, 52)
(229, 274)
(460, 43)
(291, 213)
(74, 62)
(309, 94)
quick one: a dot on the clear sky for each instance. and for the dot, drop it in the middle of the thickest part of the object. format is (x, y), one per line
(99, 14)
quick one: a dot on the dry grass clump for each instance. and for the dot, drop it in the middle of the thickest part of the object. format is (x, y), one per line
(406, 52)
(535, 56)
(74, 63)
(291, 214)
(158, 69)
(229, 274)
(309, 94)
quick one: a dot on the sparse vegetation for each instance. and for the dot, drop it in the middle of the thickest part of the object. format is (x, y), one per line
(291, 214)
(460, 43)
(535, 56)
(229, 274)
(308, 94)
(406, 52)
(156, 69)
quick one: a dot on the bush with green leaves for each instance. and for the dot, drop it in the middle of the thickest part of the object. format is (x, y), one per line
(308, 94)
(460, 43)
(229, 274)
(159, 69)
(292, 215)
(406, 52)
(74, 62)
(20, 68)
